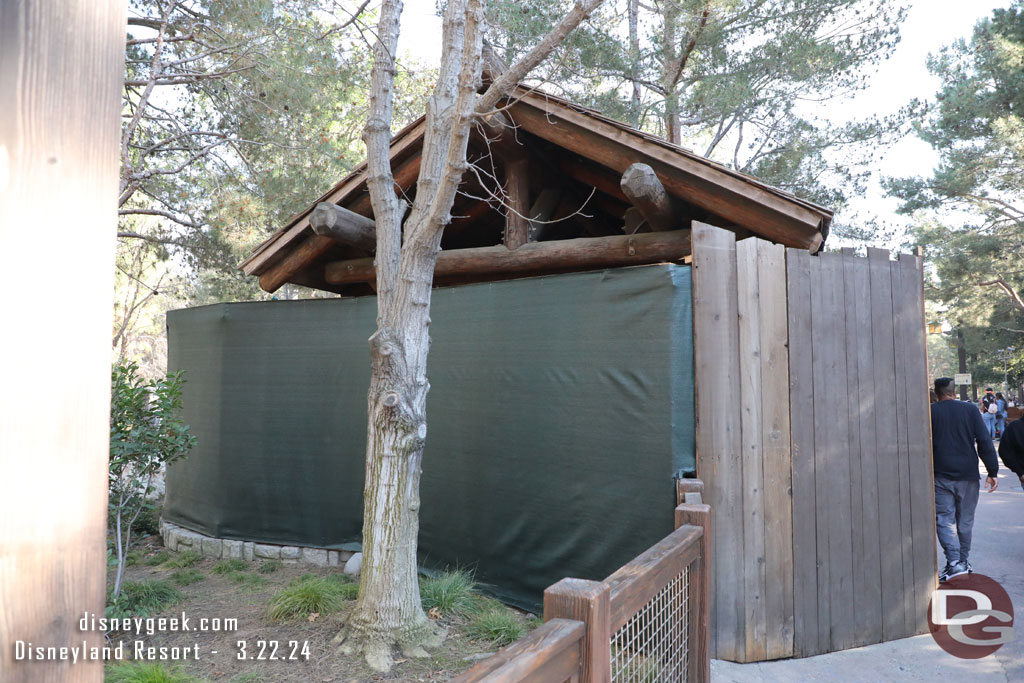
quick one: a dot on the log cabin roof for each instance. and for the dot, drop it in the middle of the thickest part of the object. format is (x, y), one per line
(575, 149)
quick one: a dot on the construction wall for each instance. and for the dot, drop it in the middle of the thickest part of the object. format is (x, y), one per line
(560, 411)
(813, 440)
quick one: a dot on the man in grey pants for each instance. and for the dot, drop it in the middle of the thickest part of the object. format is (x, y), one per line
(959, 438)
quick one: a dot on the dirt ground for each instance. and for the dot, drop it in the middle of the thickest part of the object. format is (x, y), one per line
(220, 657)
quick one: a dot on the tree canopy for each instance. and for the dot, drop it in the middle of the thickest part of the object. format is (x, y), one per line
(737, 80)
(970, 211)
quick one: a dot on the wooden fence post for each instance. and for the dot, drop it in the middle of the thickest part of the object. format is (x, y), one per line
(699, 618)
(586, 601)
(689, 487)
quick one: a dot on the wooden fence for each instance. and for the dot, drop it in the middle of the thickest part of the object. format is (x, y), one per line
(813, 441)
(647, 622)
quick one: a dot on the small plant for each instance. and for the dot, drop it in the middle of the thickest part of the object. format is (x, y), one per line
(233, 564)
(306, 596)
(142, 598)
(186, 577)
(498, 625)
(157, 558)
(185, 559)
(132, 558)
(269, 566)
(146, 672)
(452, 592)
(146, 433)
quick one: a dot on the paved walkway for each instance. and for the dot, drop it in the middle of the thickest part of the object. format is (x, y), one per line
(998, 552)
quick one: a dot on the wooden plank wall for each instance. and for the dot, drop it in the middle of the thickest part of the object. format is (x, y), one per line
(813, 443)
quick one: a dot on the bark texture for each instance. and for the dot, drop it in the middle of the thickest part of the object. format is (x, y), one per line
(388, 612)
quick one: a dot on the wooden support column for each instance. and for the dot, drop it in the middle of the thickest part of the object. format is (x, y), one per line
(589, 602)
(517, 188)
(61, 74)
(699, 617)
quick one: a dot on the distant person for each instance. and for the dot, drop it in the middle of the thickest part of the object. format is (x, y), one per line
(1011, 449)
(959, 438)
(1000, 414)
(988, 412)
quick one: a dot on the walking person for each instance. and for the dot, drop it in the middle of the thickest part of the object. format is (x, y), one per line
(988, 412)
(959, 438)
(1000, 414)
(1011, 449)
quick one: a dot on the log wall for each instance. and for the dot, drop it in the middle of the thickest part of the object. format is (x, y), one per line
(813, 441)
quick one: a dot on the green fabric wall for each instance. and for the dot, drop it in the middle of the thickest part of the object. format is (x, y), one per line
(560, 410)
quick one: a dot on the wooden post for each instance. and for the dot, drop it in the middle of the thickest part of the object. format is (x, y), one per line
(699, 618)
(640, 183)
(686, 486)
(517, 187)
(61, 74)
(586, 601)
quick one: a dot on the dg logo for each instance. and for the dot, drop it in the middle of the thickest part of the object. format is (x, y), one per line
(970, 616)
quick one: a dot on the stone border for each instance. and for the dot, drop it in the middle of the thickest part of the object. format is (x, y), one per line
(178, 539)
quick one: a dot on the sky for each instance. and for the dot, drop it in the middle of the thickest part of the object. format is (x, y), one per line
(930, 24)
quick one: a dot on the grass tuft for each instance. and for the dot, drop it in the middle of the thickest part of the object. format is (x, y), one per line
(142, 598)
(235, 564)
(188, 558)
(498, 625)
(146, 672)
(247, 580)
(157, 558)
(305, 596)
(452, 592)
(269, 566)
(186, 577)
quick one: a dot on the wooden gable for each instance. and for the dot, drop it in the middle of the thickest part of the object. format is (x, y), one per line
(555, 187)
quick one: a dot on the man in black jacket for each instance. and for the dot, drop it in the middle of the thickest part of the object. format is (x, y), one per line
(1011, 448)
(959, 438)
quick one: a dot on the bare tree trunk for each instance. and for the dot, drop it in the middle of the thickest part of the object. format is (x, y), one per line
(633, 13)
(388, 611)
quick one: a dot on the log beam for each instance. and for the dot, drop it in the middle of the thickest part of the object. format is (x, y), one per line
(344, 226)
(641, 185)
(537, 257)
(315, 246)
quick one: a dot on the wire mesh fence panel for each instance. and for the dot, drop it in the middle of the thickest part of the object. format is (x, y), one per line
(652, 646)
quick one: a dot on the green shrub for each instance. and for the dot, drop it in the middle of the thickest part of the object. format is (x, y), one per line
(305, 596)
(157, 558)
(269, 566)
(187, 558)
(497, 625)
(234, 564)
(146, 672)
(142, 598)
(186, 577)
(132, 558)
(452, 592)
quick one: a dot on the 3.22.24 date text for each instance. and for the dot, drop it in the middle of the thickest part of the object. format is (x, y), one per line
(272, 650)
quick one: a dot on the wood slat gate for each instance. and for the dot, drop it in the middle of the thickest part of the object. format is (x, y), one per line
(813, 440)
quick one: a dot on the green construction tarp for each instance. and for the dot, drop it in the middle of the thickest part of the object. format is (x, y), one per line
(559, 414)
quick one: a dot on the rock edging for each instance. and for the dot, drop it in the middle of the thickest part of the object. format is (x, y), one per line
(178, 539)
